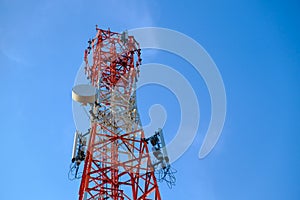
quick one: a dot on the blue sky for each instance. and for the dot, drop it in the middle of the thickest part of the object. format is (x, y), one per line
(255, 45)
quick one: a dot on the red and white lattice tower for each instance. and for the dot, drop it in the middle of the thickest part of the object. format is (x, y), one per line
(117, 164)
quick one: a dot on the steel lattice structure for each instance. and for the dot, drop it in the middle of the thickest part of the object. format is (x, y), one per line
(117, 163)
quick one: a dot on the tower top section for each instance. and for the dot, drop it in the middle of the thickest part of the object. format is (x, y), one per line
(110, 56)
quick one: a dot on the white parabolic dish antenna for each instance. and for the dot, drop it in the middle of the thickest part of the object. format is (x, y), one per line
(84, 93)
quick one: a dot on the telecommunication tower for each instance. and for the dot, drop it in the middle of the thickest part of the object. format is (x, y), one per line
(117, 163)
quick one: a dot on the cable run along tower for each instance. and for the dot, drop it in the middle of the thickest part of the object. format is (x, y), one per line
(116, 158)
